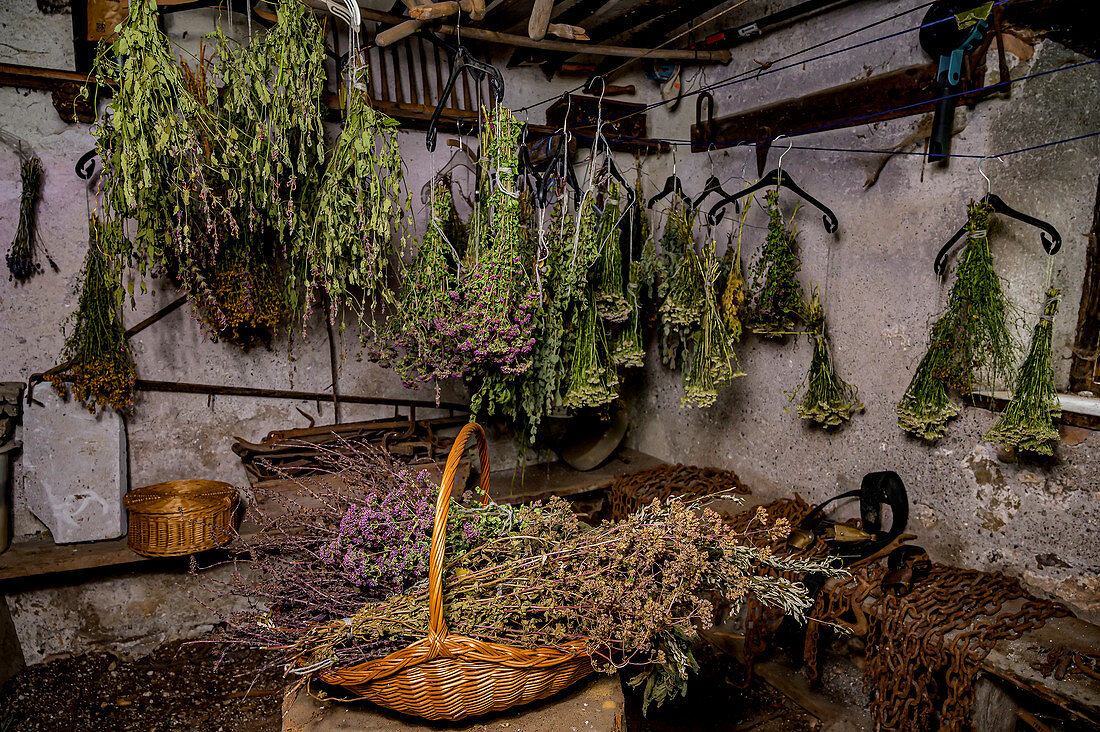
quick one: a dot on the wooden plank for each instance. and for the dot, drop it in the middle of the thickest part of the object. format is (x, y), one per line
(1084, 374)
(829, 109)
(539, 482)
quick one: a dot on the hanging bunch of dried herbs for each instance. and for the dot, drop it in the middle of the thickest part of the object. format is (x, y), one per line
(592, 380)
(777, 302)
(969, 341)
(1027, 423)
(733, 293)
(424, 333)
(925, 408)
(827, 399)
(496, 323)
(248, 295)
(271, 100)
(981, 347)
(22, 257)
(358, 207)
(712, 362)
(611, 293)
(155, 169)
(97, 365)
(678, 283)
(562, 278)
(629, 349)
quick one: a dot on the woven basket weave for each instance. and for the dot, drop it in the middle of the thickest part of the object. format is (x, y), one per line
(180, 517)
(449, 677)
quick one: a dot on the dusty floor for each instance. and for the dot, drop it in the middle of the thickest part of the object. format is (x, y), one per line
(183, 687)
(177, 687)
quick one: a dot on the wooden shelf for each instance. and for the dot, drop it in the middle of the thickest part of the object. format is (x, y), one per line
(41, 558)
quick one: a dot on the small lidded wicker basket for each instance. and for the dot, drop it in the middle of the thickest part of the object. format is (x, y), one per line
(180, 517)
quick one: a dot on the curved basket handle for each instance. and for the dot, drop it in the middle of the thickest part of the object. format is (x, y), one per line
(436, 630)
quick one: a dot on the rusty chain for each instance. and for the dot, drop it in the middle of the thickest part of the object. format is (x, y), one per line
(1062, 662)
(631, 491)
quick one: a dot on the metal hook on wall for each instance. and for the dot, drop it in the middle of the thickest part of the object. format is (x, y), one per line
(779, 165)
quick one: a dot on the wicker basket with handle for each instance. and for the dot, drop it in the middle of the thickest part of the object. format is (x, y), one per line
(449, 677)
(180, 517)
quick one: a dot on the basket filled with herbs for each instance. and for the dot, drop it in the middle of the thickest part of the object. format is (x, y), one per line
(445, 676)
(472, 607)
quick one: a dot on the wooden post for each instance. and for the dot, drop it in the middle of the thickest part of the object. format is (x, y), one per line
(540, 19)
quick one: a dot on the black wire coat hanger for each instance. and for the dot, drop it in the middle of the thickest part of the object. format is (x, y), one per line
(1051, 245)
(559, 170)
(780, 179)
(714, 185)
(673, 184)
(461, 61)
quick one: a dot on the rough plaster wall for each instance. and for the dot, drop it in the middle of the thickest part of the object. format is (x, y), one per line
(880, 294)
(129, 615)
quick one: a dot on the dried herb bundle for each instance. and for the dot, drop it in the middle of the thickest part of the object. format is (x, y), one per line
(777, 301)
(155, 167)
(712, 362)
(1027, 423)
(925, 408)
(423, 335)
(359, 203)
(629, 348)
(827, 400)
(247, 296)
(22, 258)
(496, 323)
(980, 346)
(636, 591)
(734, 294)
(100, 366)
(676, 242)
(611, 294)
(271, 101)
(592, 381)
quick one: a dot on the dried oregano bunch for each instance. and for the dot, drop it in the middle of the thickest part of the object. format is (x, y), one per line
(712, 362)
(562, 276)
(496, 323)
(155, 169)
(610, 293)
(592, 380)
(981, 346)
(969, 339)
(348, 247)
(678, 284)
(827, 399)
(1027, 423)
(22, 257)
(99, 366)
(271, 101)
(777, 301)
(424, 336)
(925, 408)
(629, 348)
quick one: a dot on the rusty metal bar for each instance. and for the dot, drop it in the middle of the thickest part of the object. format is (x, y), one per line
(173, 387)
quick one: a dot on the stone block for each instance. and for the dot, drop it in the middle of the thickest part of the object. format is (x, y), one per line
(74, 466)
(595, 705)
